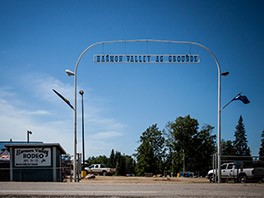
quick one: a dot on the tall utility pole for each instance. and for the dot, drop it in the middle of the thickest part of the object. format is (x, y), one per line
(83, 154)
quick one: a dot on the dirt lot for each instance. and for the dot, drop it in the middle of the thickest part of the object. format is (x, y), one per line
(123, 179)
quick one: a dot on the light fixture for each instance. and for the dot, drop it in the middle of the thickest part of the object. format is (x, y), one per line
(69, 72)
(226, 73)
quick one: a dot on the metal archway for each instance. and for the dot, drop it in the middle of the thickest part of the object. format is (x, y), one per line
(150, 41)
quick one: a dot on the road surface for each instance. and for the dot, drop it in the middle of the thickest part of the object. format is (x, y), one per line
(158, 189)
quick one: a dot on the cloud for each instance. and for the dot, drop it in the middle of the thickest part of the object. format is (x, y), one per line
(15, 121)
(37, 112)
(50, 120)
(42, 85)
(105, 135)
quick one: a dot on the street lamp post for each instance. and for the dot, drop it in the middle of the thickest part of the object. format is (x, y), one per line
(219, 124)
(28, 132)
(70, 73)
(81, 92)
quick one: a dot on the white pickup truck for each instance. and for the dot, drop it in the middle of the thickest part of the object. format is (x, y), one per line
(230, 171)
(100, 169)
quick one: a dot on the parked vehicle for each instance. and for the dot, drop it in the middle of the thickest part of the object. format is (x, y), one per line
(232, 171)
(100, 169)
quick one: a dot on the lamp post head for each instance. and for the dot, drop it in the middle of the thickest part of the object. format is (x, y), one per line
(69, 72)
(226, 73)
(81, 92)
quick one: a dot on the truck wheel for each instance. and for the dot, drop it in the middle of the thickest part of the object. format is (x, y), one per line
(242, 178)
(211, 179)
(104, 173)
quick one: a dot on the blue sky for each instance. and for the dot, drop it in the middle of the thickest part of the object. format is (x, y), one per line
(40, 39)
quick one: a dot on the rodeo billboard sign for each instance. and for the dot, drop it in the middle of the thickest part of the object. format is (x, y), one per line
(32, 157)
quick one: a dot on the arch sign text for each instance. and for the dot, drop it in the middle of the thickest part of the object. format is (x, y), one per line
(146, 58)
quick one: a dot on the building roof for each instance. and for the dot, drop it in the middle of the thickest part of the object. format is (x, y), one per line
(32, 145)
(2, 143)
(4, 155)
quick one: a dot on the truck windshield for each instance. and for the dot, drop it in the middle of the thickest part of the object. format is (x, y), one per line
(230, 166)
(223, 166)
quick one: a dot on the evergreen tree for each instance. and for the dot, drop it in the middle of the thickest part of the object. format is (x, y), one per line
(240, 143)
(102, 159)
(130, 165)
(112, 159)
(227, 148)
(119, 163)
(145, 159)
(150, 152)
(124, 164)
(261, 149)
(228, 151)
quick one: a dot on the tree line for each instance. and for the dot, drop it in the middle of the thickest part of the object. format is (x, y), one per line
(180, 147)
(123, 163)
